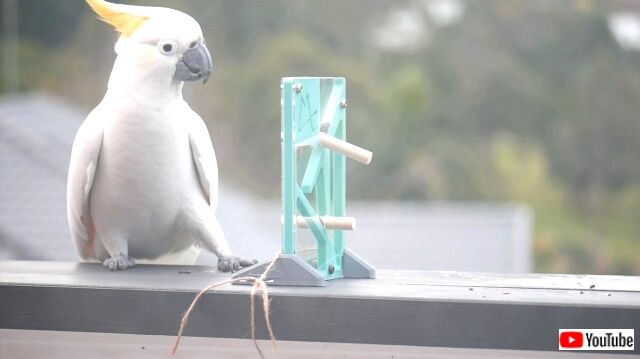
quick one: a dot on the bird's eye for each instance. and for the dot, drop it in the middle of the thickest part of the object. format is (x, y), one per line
(167, 47)
(193, 45)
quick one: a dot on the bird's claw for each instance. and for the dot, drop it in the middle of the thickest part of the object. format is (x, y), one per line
(119, 262)
(233, 263)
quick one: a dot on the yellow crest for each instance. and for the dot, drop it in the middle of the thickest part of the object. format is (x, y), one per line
(123, 22)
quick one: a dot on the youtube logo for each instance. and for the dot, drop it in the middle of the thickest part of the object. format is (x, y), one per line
(571, 340)
(596, 339)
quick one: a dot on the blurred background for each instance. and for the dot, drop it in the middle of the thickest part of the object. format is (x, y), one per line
(505, 133)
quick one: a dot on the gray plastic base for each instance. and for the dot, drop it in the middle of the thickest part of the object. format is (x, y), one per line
(288, 270)
(291, 270)
(353, 266)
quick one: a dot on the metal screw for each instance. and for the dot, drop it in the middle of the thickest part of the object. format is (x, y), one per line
(343, 103)
(331, 269)
(297, 87)
(324, 127)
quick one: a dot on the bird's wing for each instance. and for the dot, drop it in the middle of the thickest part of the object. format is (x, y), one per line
(204, 158)
(82, 168)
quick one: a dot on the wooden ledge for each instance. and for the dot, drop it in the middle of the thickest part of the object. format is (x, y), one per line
(430, 309)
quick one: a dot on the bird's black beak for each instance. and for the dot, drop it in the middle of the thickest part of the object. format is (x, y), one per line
(195, 64)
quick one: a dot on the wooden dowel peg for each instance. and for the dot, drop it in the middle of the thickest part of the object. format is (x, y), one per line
(352, 151)
(344, 223)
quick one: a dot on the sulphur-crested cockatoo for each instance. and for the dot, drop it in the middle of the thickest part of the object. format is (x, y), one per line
(143, 177)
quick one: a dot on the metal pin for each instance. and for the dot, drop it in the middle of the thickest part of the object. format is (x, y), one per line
(343, 103)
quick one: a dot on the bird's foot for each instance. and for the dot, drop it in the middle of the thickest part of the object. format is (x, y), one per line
(119, 262)
(233, 263)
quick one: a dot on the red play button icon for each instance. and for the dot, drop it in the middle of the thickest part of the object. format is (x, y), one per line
(571, 340)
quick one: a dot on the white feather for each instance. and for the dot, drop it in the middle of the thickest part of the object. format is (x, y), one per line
(84, 156)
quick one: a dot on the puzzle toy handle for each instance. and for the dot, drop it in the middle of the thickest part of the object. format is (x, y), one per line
(330, 222)
(343, 147)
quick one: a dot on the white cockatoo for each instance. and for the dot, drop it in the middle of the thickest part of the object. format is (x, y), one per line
(143, 177)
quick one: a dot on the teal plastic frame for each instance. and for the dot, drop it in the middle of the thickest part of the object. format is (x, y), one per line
(311, 107)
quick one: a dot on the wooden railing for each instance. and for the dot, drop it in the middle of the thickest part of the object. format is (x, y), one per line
(422, 312)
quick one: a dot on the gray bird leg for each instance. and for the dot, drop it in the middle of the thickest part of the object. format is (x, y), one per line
(210, 235)
(119, 262)
(234, 263)
(118, 247)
